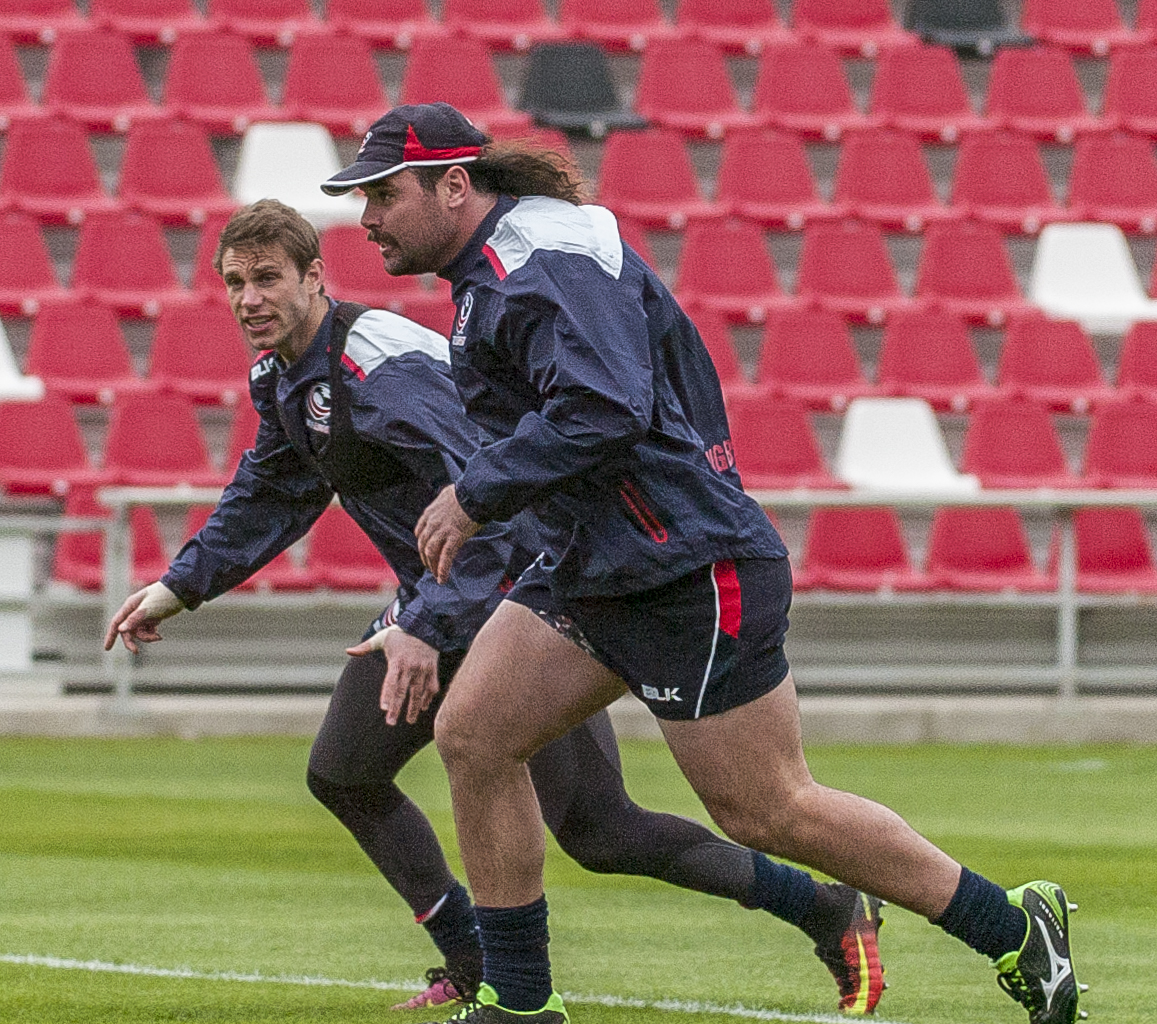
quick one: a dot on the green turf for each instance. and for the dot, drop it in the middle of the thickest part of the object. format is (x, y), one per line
(211, 856)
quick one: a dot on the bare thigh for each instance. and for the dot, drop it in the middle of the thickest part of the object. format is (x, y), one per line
(521, 686)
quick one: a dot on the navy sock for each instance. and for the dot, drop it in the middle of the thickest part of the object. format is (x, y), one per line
(454, 929)
(980, 916)
(784, 891)
(515, 962)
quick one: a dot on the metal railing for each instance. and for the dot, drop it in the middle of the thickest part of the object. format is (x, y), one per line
(1065, 673)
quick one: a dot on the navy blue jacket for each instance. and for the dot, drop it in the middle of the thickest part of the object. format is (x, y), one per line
(387, 435)
(599, 404)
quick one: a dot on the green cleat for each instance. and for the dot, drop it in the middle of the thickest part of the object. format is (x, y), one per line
(1040, 975)
(484, 1009)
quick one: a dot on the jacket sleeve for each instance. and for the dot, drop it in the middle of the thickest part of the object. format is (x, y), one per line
(582, 342)
(272, 501)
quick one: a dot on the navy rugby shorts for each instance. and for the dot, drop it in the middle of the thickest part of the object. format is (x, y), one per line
(707, 642)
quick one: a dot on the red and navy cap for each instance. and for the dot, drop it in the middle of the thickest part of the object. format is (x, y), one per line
(413, 135)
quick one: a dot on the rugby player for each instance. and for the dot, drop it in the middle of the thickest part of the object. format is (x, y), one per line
(605, 417)
(360, 403)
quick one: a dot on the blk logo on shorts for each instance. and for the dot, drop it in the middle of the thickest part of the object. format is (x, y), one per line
(668, 693)
(317, 408)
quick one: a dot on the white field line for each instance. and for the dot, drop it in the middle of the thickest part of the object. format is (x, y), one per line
(669, 1005)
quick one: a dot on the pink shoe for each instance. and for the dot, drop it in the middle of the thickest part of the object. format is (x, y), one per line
(439, 991)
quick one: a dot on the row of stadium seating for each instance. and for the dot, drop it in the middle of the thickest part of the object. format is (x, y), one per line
(122, 261)
(214, 78)
(969, 550)
(855, 26)
(168, 170)
(155, 439)
(807, 354)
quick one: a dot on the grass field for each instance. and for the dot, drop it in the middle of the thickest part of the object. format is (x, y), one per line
(210, 858)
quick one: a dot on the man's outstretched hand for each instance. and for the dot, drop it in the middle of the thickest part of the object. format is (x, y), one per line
(136, 622)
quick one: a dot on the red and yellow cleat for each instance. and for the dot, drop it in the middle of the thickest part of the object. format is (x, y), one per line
(855, 960)
(439, 991)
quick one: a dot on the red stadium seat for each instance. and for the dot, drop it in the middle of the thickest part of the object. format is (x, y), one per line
(808, 355)
(353, 270)
(342, 557)
(147, 21)
(700, 105)
(79, 558)
(502, 24)
(1037, 91)
(882, 177)
(214, 80)
(632, 233)
(198, 351)
(269, 22)
(242, 434)
(1146, 18)
(1051, 362)
(726, 266)
(41, 449)
(50, 172)
(434, 310)
(1122, 446)
(1137, 366)
(858, 549)
(615, 24)
(122, 261)
(1113, 551)
(156, 441)
(919, 89)
(764, 176)
(774, 444)
(1012, 443)
(459, 71)
(738, 26)
(803, 89)
(1131, 91)
(332, 80)
(965, 270)
(26, 274)
(648, 176)
(929, 355)
(38, 21)
(1091, 26)
(169, 172)
(1001, 178)
(93, 78)
(392, 23)
(1114, 180)
(717, 338)
(279, 574)
(206, 280)
(983, 549)
(851, 26)
(77, 349)
(15, 103)
(845, 267)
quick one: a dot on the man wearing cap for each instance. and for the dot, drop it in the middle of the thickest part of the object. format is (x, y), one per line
(605, 418)
(360, 403)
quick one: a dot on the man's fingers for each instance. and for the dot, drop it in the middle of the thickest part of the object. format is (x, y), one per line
(365, 647)
(394, 690)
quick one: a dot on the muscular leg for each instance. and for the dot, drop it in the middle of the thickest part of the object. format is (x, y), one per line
(352, 767)
(500, 711)
(748, 767)
(579, 782)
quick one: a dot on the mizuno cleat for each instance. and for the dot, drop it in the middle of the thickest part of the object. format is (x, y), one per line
(1040, 975)
(484, 1009)
(439, 991)
(854, 958)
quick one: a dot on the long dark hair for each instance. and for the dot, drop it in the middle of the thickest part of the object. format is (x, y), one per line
(517, 169)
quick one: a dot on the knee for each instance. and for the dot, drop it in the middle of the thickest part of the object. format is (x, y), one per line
(329, 794)
(771, 826)
(456, 740)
